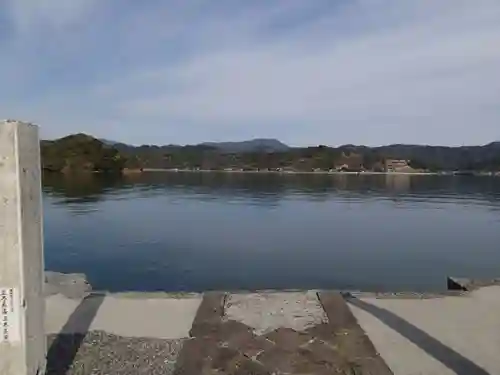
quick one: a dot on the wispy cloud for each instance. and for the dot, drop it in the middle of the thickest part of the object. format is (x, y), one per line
(332, 72)
(30, 15)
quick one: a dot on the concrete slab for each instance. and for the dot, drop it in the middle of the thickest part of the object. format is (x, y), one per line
(165, 318)
(162, 318)
(265, 312)
(448, 335)
(58, 310)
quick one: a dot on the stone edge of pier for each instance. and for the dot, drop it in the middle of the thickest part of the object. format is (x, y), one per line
(76, 286)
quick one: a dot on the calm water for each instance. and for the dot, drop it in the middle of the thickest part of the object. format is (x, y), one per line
(167, 231)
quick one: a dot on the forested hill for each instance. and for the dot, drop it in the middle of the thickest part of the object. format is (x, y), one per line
(253, 145)
(83, 152)
(485, 157)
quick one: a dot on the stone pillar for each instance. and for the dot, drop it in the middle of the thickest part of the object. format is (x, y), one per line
(22, 309)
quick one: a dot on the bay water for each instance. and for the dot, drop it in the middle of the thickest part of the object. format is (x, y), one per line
(232, 231)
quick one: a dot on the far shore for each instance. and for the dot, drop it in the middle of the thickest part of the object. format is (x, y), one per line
(132, 171)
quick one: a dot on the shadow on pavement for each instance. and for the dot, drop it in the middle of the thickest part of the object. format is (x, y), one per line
(65, 346)
(447, 356)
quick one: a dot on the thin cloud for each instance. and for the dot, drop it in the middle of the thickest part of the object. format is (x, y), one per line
(333, 72)
(29, 15)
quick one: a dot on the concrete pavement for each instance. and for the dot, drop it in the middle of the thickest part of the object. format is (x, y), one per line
(160, 317)
(441, 336)
(425, 335)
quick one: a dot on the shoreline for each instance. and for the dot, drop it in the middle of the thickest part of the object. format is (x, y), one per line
(334, 173)
(160, 170)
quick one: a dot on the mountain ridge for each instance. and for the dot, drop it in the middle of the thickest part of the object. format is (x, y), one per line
(281, 146)
(251, 145)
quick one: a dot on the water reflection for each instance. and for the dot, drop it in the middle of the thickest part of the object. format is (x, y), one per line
(267, 189)
(81, 188)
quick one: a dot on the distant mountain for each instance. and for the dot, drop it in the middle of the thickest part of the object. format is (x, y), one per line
(253, 145)
(108, 142)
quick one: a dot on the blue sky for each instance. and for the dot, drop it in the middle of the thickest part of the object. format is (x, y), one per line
(307, 72)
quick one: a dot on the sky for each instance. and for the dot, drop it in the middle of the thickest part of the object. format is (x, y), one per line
(306, 72)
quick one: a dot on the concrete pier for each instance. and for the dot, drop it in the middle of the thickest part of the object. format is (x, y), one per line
(265, 332)
(22, 306)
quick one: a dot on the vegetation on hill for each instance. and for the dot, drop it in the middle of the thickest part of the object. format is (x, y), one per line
(253, 145)
(433, 158)
(81, 153)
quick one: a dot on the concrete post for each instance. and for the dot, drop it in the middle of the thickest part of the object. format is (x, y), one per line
(22, 309)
